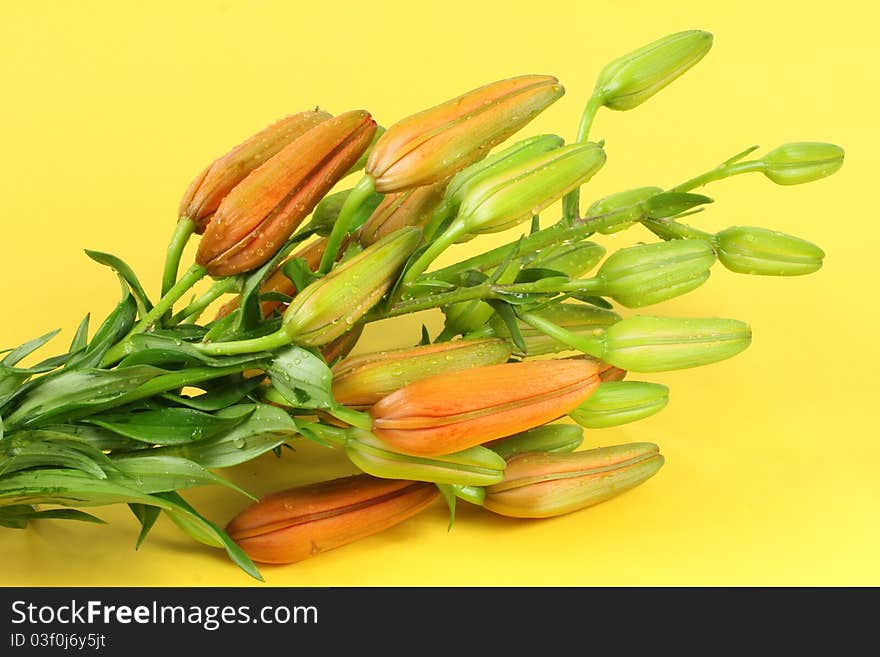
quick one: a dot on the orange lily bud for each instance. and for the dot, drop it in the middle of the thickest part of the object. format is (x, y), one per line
(432, 145)
(258, 216)
(279, 282)
(544, 484)
(298, 523)
(203, 197)
(410, 208)
(451, 412)
(365, 379)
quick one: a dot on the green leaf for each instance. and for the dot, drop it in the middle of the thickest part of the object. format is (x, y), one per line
(302, 378)
(448, 493)
(24, 451)
(185, 332)
(276, 296)
(127, 274)
(508, 316)
(538, 274)
(167, 426)
(266, 428)
(152, 349)
(299, 273)
(99, 438)
(220, 397)
(426, 337)
(599, 302)
(17, 516)
(193, 520)
(147, 516)
(112, 330)
(26, 349)
(155, 473)
(672, 204)
(81, 337)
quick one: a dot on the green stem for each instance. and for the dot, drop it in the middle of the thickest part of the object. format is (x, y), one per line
(571, 202)
(197, 307)
(438, 246)
(433, 301)
(192, 276)
(719, 173)
(253, 345)
(440, 214)
(591, 345)
(341, 226)
(182, 232)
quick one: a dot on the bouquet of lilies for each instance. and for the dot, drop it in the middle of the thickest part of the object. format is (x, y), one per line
(490, 411)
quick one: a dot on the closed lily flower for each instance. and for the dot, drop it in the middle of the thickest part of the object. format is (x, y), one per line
(451, 412)
(412, 207)
(301, 522)
(262, 211)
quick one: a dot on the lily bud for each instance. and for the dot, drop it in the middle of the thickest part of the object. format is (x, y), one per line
(627, 207)
(802, 162)
(649, 273)
(620, 402)
(410, 208)
(279, 282)
(475, 466)
(432, 416)
(203, 197)
(542, 485)
(301, 522)
(577, 318)
(365, 379)
(750, 250)
(258, 216)
(630, 80)
(434, 144)
(465, 180)
(331, 305)
(549, 438)
(657, 344)
(518, 192)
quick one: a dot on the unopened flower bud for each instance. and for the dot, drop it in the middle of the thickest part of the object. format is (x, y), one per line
(620, 402)
(649, 273)
(751, 250)
(365, 379)
(298, 523)
(630, 80)
(432, 416)
(625, 207)
(548, 438)
(657, 344)
(331, 305)
(328, 209)
(203, 197)
(475, 466)
(802, 162)
(412, 207)
(581, 319)
(434, 144)
(515, 193)
(263, 210)
(542, 485)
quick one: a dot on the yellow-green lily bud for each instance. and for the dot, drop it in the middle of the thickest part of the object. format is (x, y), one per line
(750, 250)
(649, 273)
(619, 402)
(329, 307)
(627, 207)
(547, 438)
(630, 80)
(580, 319)
(475, 466)
(364, 379)
(543, 485)
(802, 162)
(658, 344)
(461, 183)
(517, 192)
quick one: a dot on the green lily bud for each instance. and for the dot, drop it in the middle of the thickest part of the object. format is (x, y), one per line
(329, 307)
(580, 319)
(750, 250)
(658, 344)
(630, 80)
(802, 162)
(649, 273)
(627, 207)
(542, 485)
(547, 438)
(517, 192)
(475, 466)
(465, 180)
(619, 402)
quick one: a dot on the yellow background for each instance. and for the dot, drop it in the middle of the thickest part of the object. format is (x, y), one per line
(109, 109)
